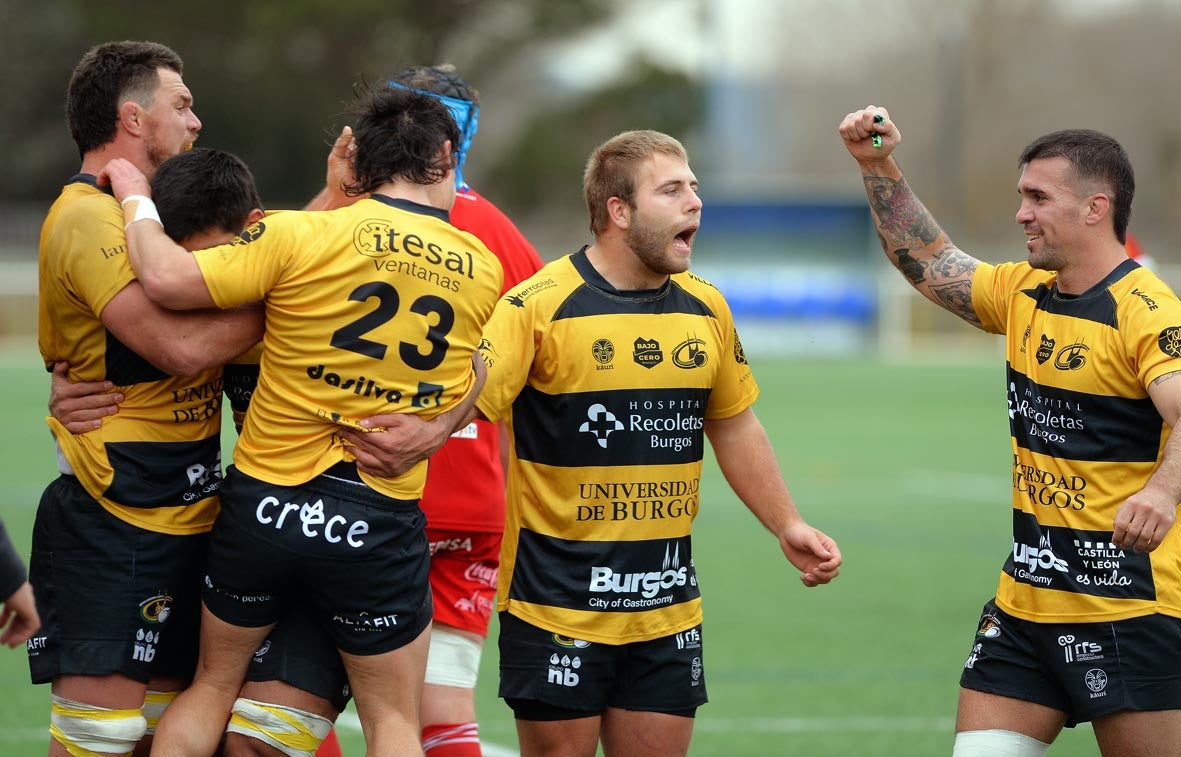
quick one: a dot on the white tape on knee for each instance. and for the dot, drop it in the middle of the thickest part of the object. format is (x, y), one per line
(85, 730)
(293, 732)
(997, 743)
(453, 659)
(155, 702)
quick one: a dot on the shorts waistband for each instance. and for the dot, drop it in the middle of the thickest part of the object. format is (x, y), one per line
(344, 481)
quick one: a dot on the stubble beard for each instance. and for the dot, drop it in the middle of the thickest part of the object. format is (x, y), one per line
(650, 245)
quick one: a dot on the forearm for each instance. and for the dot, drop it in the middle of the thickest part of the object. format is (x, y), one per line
(748, 462)
(914, 243)
(169, 273)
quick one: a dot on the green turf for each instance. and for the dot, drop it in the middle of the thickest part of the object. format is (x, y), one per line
(906, 465)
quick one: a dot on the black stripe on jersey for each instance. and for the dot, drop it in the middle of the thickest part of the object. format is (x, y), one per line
(621, 428)
(598, 297)
(614, 576)
(1081, 562)
(1080, 426)
(1096, 304)
(240, 382)
(125, 367)
(164, 474)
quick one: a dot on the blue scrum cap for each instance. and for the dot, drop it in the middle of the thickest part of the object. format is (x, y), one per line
(467, 117)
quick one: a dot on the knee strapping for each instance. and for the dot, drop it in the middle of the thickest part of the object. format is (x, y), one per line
(453, 659)
(155, 702)
(997, 743)
(85, 730)
(293, 732)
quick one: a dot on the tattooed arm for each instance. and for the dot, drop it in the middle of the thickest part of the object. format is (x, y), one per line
(1145, 517)
(909, 234)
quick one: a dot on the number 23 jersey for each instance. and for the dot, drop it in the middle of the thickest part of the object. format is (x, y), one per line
(373, 308)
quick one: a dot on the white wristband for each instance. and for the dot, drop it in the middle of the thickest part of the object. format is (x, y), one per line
(139, 208)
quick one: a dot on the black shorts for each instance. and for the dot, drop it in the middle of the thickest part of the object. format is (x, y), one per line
(113, 597)
(357, 559)
(299, 652)
(1086, 670)
(574, 678)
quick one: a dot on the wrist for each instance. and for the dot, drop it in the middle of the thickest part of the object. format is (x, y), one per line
(139, 208)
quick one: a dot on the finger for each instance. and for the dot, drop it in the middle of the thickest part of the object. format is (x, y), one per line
(377, 422)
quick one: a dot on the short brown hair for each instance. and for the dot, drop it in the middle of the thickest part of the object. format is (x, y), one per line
(107, 75)
(611, 170)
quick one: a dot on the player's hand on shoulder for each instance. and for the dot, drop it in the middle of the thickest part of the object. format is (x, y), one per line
(125, 179)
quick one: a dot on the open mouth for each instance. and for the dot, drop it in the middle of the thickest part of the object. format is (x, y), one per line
(684, 238)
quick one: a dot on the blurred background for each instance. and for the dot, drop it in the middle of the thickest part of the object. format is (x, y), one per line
(886, 412)
(754, 88)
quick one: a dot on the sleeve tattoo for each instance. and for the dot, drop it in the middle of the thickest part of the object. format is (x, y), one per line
(905, 227)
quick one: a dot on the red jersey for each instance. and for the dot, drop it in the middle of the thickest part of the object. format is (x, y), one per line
(465, 482)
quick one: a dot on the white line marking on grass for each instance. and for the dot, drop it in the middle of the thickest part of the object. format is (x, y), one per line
(349, 721)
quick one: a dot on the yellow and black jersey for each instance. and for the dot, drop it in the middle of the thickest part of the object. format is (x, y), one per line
(370, 309)
(607, 393)
(1085, 437)
(156, 463)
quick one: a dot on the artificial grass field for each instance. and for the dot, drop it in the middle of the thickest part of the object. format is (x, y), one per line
(905, 465)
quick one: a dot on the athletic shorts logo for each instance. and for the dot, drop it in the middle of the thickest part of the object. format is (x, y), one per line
(690, 639)
(695, 671)
(975, 655)
(647, 353)
(1045, 349)
(561, 670)
(570, 642)
(1096, 680)
(990, 627)
(156, 609)
(1082, 651)
(1170, 341)
(262, 651)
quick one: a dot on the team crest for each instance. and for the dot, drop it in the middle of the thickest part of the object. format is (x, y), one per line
(690, 353)
(570, 642)
(1170, 341)
(249, 235)
(1045, 349)
(1071, 357)
(990, 627)
(1025, 340)
(156, 609)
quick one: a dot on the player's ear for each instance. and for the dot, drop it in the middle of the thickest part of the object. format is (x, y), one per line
(130, 116)
(619, 212)
(256, 215)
